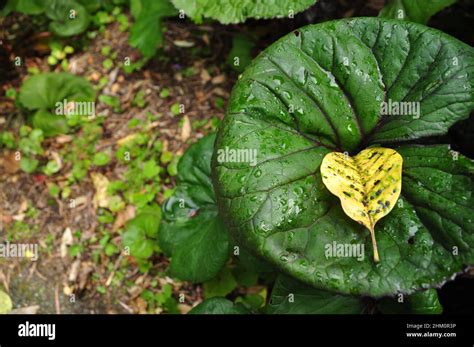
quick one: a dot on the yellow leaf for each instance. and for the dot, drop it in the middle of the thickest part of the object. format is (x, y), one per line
(368, 184)
(101, 198)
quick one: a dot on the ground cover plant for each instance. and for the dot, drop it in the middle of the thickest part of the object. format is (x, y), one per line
(222, 157)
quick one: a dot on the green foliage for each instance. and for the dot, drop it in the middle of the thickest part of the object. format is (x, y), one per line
(419, 11)
(146, 33)
(141, 233)
(240, 55)
(139, 99)
(30, 142)
(101, 159)
(317, 90)
(54, 190)
(221, 285)
(191, 232)
(51, 168)
(28, 164)
(59, 53)
(30, 146)
(175, 109)
(41, 93)
(292, 297)
(219, 306)
(23, 6)
(165, 92)
(162, 299)
(82, 151)
(228, 11)
(68, 17)
(151, 169)
(49, 123)
(112, 101)
(425, 302)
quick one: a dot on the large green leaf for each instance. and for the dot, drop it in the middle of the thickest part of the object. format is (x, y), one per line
(292, 297)
(439, 184)
(418, 11)
(146, 33)
(320, 89)
(191, 232)
(229, 11)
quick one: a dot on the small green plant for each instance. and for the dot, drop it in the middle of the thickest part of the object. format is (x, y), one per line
(59, 54)
(68, 17)
(47, 97)
(139, 236)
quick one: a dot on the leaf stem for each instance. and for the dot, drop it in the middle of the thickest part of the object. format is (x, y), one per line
(374, 245)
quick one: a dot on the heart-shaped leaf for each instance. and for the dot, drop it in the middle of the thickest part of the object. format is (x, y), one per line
(69, 17)
(141, 232)
(321, 89)
(368, 185)
(191, 232)
(42, 93)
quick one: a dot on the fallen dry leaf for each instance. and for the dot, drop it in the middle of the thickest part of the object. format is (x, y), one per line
(81, 200)
(101, 198)
(183, 308)
(64, 139)
(186, 129)
(67, 290)
(126, 139)
(74, 270)
(140, 305)
(206, 39)
(218, 79)
(123, 216)
(10, 163)
(183, 43)
(86, 269)
(20, 215)
(66, 241)
(205, 77)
